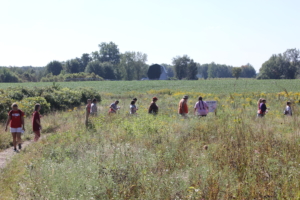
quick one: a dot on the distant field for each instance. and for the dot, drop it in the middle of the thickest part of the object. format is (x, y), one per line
(215, 86)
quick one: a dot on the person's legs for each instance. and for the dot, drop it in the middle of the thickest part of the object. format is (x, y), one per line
(19, 140)
(14, 135)
(37, 135)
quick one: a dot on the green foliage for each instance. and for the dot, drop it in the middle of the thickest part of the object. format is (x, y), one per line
(219, 71)
(54, 67)
(109, 52)
(27, 105)
(248, 71)
(192, 70)
(5, 107)
(180, 66)
(154, 72)
(281, 66)
(74, 66)
(7, 76)
(95, 67)
(236, 72)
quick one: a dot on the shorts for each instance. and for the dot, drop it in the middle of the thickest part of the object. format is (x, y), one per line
(16, 130)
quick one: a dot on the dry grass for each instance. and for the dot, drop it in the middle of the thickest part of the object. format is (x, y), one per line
(232, 155)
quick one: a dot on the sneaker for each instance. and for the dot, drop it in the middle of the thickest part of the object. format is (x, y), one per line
(16, 150)
(20, 146)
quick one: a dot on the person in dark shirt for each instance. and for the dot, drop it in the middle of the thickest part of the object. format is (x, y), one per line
(262, 108)
(153, 108)
(36, 122)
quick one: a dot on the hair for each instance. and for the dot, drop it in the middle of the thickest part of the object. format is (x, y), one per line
(116, 101)
(154, 98)
(200, 100)
(14, 105)
(94, 100)
(89, 100)
(259, 102)
(132, 102)
(263, 100)
(36, 106)
(288, 103)
(135, 99)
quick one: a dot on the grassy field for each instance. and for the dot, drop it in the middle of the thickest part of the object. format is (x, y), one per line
(163, 156)
(214, 86)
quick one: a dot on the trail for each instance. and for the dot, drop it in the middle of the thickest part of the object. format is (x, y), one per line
(7, 154)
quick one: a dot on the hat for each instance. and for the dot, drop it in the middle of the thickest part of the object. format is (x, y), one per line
(135, 99)
(185, 97)
(154, 98)
(14, 105)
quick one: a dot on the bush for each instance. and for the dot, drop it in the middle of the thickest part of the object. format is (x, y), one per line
(5, 106)
(27, 105)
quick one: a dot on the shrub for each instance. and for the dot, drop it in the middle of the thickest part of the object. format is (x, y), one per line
(5, 106)
(27, 105)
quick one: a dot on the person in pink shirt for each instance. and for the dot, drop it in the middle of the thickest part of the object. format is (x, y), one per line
(201, 108)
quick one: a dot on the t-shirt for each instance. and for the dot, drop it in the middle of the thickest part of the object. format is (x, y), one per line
(88, 108)
(94, 109)
(288, 109)
(153, 108)
(36, 117)
(15, 121)
(201, 107)
(114, 107)
(182, 107)
(132, 109)
(263, 108)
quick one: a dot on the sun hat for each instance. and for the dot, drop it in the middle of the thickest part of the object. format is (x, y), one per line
(185, 97)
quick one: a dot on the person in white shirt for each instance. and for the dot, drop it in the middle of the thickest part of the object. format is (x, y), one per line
(288, 109)
(94, 108)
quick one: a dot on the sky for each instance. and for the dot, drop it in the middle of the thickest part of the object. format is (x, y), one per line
(231, 32)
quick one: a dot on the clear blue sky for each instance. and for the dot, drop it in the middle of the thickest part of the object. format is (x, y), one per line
(232, 32)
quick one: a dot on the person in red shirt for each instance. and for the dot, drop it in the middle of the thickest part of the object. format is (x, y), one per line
(36, 122)
(16, 121)
(183, 107)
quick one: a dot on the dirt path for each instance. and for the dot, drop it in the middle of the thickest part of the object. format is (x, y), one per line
(7, 154)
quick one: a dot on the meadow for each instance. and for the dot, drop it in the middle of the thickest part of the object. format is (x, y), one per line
(164, 156)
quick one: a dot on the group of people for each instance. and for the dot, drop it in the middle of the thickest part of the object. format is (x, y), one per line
(262, 108)
(17, 124)
(201, 109)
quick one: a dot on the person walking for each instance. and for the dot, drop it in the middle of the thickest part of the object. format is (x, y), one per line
(258, 105)
(94, 109)
(262, 108)
(153, 108)
(183, 107)
(201, 108)
(88, 111)
(114, 107)
(288, 109)
(17, 126)
(36, 122)
(133, 108)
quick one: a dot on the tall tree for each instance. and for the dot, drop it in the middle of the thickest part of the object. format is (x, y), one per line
(109, 52)
(203, 70)
(54, 67)
(181, 66)
(248, 71)
(236, 72)
(192, 70)
(95, 67)
(74, 66)
(85, 59)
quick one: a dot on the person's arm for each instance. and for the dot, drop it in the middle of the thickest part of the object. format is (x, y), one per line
(23, 122)
(7, 122)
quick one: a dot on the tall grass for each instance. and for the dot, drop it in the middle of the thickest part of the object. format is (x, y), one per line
(163, 156)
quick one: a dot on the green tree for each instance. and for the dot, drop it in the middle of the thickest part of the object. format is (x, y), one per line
(181, 66)
(154, 72)
(236, 72)
(54, 67)
(248, 71)
(109, 52)
(192, 70)
(133, 65)
(96, 68)
(203, 70)
(7, 76)
(74, 66)
(84, 60)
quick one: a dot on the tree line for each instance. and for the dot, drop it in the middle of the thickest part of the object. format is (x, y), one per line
(109, 64)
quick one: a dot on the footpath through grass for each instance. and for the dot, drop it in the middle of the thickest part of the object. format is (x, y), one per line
(162, 157)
